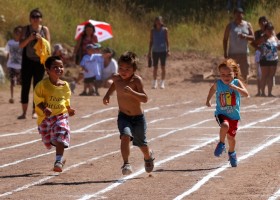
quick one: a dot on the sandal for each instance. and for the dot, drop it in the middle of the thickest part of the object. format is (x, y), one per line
(149, 164)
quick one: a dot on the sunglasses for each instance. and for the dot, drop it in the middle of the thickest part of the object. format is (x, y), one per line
(36, 16)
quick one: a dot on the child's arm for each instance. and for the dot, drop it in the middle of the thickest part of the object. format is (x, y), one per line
(140, 94)
(47, 111)
(241, 88)
(106, 99)
(210, 94)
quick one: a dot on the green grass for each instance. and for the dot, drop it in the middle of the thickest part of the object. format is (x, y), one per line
(131, 31)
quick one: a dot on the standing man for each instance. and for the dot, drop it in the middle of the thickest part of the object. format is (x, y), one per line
(235, 42)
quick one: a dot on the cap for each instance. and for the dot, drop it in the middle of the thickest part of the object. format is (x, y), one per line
(57, 47)
(239, 10)
(93, 46)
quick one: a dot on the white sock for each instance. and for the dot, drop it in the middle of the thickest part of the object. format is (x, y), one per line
(58, 158)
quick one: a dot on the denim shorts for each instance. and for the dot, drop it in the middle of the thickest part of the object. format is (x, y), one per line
(133, 126)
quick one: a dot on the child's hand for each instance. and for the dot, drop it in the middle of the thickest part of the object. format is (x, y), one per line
(47, 112)
(71, 111)
(208, 103)
(128, 89)
(106, 100)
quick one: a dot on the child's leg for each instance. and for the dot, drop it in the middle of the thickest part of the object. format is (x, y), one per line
(125, 147)
(59, 150)
(146, 152)
(223, 131)
(231, 143)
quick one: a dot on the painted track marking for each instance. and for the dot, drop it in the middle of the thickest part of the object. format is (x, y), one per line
(121, 181)
(212, 174)
(275, 196)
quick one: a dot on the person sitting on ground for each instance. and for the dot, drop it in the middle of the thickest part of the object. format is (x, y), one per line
(91, 65)
(14, 60)
(110, 67)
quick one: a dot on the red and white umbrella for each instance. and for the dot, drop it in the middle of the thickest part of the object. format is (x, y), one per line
(103, 30)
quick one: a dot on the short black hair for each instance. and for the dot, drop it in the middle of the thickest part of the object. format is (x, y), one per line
(130, 58)
(34, 11)
(263, 18)
(50, 60)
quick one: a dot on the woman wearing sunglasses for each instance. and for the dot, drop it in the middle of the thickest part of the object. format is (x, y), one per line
(31, 66)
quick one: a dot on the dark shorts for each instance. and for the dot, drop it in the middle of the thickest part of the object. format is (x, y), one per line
(133, 126)
(233, 124)
(89, 80)
(159, 56)
(14, 75)
(268, 63)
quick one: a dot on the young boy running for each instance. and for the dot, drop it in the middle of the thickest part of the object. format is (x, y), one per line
(52, 101)
(131, 119)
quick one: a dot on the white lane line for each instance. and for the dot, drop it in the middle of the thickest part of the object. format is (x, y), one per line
(78, 164)
(194, 111)
(51, 152)
(28, 131)
(121, 181)
(99, 111)
(19, 145)
(93, 124)
(54, 175)
(269, 102)
(96, 123)
(157, 164)
(75, 131)
(275, 196)
(212, 174)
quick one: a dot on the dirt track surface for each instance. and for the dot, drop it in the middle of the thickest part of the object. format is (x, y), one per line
(181, 130)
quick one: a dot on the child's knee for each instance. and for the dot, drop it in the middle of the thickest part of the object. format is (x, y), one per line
(231, 138)
(225, 125)
(125, 138)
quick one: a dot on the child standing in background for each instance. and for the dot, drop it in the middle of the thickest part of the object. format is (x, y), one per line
(52, 105)
(14, 60)
(131, 119)
(91, 64)
(228, 90)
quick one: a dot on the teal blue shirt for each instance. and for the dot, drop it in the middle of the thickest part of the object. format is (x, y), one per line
(227, 100)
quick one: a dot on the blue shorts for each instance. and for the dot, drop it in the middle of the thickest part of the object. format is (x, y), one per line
(133, 126)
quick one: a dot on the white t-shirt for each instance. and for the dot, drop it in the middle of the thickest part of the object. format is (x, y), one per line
(111, 69)
(15, 54)
(93, 64)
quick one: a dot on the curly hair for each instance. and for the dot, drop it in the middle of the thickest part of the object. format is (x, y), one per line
(233, 66)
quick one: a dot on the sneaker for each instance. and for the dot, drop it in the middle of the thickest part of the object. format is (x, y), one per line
(58, 165)
(155, 84)
(232, 159)
(162, 86)
(149, 164)
(34, 116)
(126, 169)
(219, 149)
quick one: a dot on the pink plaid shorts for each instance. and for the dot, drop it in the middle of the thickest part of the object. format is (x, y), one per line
(55, 129)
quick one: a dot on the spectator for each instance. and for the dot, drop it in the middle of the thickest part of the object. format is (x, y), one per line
(87, 37)
(258, 34)
(159, 50)
(268, 44)
(14, 60)
(110, 67)
(236, 36)
(31, 66)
